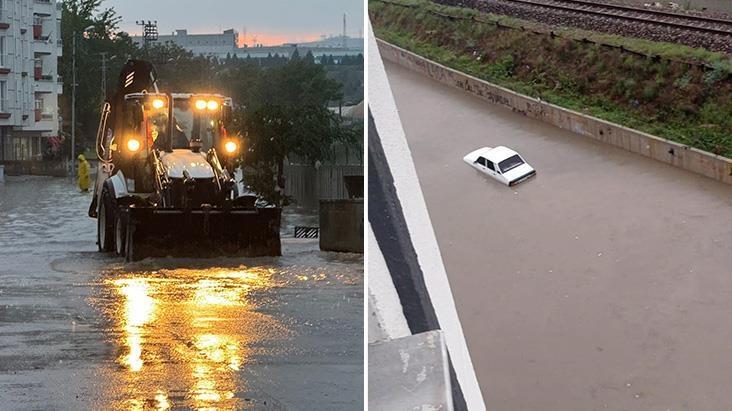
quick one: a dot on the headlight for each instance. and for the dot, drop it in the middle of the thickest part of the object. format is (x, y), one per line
(212, 105)
(201, 104)
(230, 147)
(133, 144)
(158, 103)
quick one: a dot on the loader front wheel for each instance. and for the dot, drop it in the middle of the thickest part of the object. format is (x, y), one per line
(105, 224)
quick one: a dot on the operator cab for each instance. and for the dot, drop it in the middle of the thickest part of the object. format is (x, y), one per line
(185, 137)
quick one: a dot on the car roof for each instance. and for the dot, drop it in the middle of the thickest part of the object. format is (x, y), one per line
(495, 154)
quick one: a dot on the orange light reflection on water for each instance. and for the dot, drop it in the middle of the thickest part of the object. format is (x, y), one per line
(201, 321)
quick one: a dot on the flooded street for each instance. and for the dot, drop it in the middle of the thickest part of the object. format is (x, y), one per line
(601, 284)
(84, 330)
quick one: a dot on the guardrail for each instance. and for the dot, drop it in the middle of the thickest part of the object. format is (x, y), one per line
(666, 151)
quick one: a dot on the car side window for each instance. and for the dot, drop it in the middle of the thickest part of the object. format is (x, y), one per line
(481, 161)
(489, 164)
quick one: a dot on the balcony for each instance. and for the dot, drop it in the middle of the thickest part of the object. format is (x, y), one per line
(6, 16)
(4, 109)
(44, 46)
(46, 84)
(44, 7)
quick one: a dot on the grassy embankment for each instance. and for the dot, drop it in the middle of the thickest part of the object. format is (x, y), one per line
(663, 96)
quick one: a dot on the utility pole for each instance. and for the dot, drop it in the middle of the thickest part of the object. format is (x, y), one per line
(344, 30)
(104, 76)
(73, 105)
(73, 100)
(149, 30)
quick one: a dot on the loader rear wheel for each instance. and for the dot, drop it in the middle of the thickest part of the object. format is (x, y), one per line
(120, 234)
(105, 228)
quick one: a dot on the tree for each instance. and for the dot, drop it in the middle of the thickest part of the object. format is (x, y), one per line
(289, 116)
(76, 15)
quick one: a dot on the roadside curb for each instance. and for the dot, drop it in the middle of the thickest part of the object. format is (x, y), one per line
(666, 151)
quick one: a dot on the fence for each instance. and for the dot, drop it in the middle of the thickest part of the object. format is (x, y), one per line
(307, 185)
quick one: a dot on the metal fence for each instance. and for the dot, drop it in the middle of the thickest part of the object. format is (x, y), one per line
(307, 185)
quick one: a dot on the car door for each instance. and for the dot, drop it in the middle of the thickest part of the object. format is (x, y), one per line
(491, 170)
(480, 164)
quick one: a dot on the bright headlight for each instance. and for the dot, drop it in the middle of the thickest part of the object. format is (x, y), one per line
(133, 144)
(230, 147)
(158, 103)
(201, 104)
(212, 105)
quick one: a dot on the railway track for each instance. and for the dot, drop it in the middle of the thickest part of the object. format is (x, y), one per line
(657, 25)
(681, 21)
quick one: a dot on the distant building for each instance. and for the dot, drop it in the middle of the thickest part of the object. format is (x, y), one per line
(199, 44)
(225, 45)
(30, 46)
(287, 50)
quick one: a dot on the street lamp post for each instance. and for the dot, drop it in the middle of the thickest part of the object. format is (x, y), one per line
(73, 100)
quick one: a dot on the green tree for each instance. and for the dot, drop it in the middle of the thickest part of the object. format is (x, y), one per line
(77, 15)
(289, 117)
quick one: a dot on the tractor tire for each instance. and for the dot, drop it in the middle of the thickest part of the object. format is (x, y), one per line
(105, 223)
(120, 235)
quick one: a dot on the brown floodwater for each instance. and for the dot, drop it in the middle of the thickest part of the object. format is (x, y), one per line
(603, 283)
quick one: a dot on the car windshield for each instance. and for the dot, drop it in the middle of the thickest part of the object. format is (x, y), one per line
(510, 163)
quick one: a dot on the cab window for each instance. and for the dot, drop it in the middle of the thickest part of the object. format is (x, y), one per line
(481, 161)
(489, 164)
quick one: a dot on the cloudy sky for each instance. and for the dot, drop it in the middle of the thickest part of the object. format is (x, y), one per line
(271, 21)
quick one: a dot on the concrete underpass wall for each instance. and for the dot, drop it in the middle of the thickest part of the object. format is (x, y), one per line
(341, 225)
(669, 152)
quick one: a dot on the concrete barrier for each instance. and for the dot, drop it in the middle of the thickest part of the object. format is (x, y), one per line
(410, 373)
(669, 152)
(341, 225)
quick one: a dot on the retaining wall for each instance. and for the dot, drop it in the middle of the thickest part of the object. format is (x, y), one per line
(669, 152)
(55, 168)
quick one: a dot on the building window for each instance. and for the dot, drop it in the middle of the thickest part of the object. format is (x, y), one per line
(3, 95)
(2, 45)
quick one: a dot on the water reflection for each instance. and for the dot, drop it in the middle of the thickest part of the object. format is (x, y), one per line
(138, 310)
(184, 334)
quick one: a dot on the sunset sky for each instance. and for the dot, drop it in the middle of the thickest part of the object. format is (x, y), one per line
(273, 22)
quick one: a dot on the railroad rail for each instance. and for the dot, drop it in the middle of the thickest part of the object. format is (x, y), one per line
(702, 24)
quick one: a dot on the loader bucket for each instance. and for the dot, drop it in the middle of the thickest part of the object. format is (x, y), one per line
(244, 232)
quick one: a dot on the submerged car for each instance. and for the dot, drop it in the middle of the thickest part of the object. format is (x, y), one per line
(501, 163)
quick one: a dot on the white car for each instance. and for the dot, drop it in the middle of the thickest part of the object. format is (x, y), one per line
(501, 163)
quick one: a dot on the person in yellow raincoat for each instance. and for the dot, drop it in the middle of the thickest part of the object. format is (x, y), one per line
(83, 174)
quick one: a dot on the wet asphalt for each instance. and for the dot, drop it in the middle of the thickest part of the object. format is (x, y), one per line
(604, 283)
(84, 330)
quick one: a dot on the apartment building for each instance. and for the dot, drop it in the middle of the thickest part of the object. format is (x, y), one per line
(30, 45)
